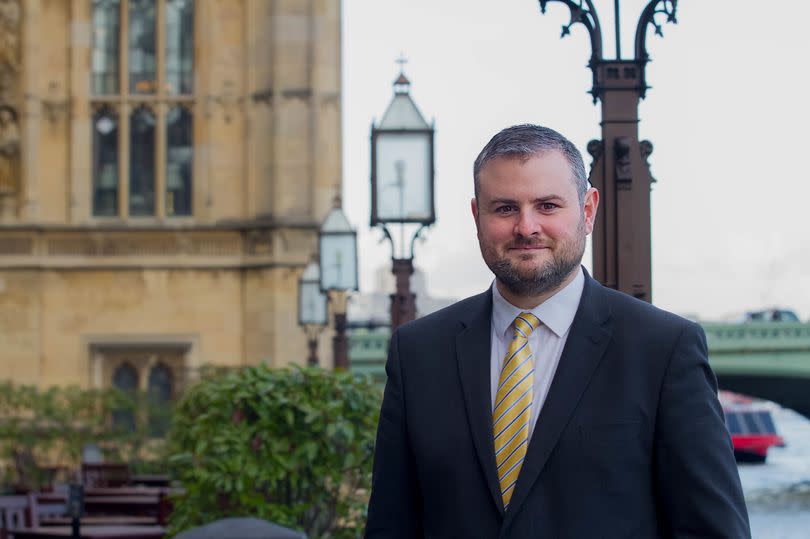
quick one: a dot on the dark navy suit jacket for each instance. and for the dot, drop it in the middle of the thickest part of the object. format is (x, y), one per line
(631, 440)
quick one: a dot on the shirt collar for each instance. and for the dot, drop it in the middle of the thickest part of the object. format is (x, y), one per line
(557, 312)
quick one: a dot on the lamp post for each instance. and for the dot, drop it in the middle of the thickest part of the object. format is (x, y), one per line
(620, 170)
(312, 309)
(338, 263)
(402, 188)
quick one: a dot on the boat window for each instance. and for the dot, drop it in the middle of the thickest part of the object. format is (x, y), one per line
(751, 424)
(766, 421)
(733, 423)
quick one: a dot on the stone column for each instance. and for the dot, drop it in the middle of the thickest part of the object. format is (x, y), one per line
(81, 172)
(326, 82)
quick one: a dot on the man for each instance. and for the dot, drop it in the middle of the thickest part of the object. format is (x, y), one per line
(549, 406)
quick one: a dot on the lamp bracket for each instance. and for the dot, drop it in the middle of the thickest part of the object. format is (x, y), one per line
(402, 248)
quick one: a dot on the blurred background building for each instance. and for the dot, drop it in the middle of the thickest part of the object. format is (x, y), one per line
(374, 308)
(370, 320)
(164, 168)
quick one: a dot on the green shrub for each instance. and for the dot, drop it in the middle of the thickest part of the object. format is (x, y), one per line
(292, 446)
(46, 428)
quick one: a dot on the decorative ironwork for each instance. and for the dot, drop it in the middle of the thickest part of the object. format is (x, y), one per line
(595, 149)
(667, 8)
(417, 236)
(620, 166)
(622, 162)
(582, 12)
(646, 149)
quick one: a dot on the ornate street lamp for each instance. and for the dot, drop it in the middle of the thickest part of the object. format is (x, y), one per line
(402, 187)
(312, 309)
(338, 263)
(621, 236)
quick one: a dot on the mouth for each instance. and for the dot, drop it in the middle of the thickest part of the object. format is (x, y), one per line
(524, 248)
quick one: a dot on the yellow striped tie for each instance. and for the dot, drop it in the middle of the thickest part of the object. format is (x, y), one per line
(513, 406)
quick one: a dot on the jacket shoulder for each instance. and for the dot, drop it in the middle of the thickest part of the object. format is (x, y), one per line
(447, 318)
(627, 309)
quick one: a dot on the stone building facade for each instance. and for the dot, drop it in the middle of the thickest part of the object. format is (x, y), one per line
(164, 168)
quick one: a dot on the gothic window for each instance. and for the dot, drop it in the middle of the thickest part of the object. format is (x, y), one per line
(160, 383)
(105, 162)
(179, 46)
(105, 53)
(125, 378)
(160, 393)
(142, 162)
(143, 98)
(178, 161)
(142, 47)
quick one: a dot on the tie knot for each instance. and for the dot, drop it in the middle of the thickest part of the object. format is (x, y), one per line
(525, 323)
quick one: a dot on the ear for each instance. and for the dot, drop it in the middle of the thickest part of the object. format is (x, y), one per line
(590, 205)
(474, 208)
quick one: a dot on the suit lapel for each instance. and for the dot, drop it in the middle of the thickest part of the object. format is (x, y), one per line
(587, 341)
(473, 350)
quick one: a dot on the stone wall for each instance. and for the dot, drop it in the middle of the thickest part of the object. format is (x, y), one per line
(219, 286)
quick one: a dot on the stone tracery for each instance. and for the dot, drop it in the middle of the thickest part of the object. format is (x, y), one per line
(9, 97)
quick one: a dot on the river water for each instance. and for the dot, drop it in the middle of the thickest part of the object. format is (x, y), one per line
(778, 492)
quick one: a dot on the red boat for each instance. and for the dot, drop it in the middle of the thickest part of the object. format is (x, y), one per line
(751, 427)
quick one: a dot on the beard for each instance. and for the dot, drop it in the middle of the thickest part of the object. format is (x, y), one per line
(548, 276)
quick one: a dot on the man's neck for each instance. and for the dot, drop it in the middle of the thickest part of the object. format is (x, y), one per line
(530, 302)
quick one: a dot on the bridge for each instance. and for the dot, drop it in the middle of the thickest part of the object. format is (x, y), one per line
(769, 360)
(368, 350)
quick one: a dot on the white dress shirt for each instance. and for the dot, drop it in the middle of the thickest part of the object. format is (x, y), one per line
(546, 342)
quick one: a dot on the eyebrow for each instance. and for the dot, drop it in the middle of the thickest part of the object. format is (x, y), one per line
(540, 200)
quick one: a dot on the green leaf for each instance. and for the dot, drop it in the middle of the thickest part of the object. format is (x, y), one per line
(300, 457)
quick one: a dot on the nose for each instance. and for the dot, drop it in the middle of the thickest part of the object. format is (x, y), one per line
(527, 224)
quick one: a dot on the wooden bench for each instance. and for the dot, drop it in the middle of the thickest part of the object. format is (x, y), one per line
(13, 514)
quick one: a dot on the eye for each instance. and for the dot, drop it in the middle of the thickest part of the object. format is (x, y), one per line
(548, 206)
(504, 209)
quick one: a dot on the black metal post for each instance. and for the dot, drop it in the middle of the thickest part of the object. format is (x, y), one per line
(340, 342)
(617, 25)
(620, 171)
(312, 343)
(75, 507)
(403, 301)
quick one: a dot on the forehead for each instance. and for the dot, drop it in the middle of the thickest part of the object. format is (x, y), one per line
(543, 174)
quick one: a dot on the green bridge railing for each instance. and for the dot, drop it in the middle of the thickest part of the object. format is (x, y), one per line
(759, 348)
(750, 348)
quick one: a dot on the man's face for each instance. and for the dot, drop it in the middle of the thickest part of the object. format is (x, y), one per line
(531, 225)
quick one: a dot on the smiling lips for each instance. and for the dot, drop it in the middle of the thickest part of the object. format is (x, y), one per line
(527, 247)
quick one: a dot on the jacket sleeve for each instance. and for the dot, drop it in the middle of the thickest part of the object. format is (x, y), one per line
(395, 506)
(697, 483)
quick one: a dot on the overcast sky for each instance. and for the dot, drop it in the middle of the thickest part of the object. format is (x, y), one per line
(728, 114)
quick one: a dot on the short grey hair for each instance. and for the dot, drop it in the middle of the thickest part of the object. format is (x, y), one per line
(527, 140)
